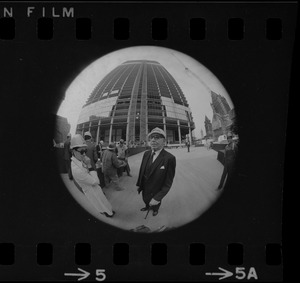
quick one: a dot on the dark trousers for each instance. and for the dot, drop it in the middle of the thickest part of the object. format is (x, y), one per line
(68, 168)
(227, 171)
(122, 169)
(101, 177)
(153, 207)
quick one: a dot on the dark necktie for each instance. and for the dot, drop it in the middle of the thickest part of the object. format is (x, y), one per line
(150, 161)
(151, 158)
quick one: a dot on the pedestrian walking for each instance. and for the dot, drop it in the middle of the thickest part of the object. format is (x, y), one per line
(188, 145)
(229, 159)
(122, 154)
(209, 145)
(86, 179)
(110, 164)
(91, 151)
(99, 150)
(156, 173)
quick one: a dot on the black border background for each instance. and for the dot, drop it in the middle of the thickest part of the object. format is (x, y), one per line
(34, 203)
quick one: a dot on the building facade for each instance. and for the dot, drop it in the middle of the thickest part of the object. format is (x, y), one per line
(223, 115)
(131, 100)
(208, 128)
(201, 134)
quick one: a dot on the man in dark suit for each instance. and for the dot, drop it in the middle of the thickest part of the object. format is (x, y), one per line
(157, 172)
(229, 160)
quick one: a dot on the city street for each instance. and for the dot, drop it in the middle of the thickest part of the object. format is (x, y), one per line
(198, 173)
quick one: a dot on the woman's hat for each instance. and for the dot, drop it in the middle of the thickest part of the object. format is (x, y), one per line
(78, 141)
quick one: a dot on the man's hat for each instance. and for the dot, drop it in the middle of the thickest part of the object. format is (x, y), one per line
(111, 146)
(229, 134)
(157, 131)
(121, 140)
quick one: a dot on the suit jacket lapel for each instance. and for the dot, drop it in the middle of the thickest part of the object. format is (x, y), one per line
(146, 159)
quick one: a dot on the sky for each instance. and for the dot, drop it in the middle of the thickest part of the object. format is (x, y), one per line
(195, 80)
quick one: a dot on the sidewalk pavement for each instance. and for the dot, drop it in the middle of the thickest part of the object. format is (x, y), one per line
(197, 176)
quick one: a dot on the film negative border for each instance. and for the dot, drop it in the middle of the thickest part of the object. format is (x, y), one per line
(236, 28)
(84, 257)
(121, 254)
(228, 247)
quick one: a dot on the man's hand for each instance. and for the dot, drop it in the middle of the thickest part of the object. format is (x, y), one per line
(87, 161)
(153, 202)
(139, 190)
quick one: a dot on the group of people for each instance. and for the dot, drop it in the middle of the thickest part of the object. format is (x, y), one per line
(105, 162)
(93, 168)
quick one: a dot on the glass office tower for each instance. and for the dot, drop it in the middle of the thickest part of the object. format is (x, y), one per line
(131, 100)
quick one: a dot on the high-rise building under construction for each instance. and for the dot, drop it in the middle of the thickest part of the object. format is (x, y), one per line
(131, 100)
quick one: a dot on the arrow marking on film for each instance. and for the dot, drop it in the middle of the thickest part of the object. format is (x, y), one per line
(82, 275)
(224, 274)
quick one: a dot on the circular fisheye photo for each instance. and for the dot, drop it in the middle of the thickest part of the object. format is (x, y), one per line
(146, 139)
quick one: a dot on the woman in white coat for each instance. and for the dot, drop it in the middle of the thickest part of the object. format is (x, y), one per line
(87, 180)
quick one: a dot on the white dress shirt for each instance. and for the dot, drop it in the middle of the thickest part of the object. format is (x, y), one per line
(156, 154)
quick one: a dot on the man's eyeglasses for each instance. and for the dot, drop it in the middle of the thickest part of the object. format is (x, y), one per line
(156, 137)
(82, 151)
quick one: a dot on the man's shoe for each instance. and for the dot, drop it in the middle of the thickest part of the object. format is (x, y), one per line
(144, 208)
(107, 215)
(154, 213)
(129, 175)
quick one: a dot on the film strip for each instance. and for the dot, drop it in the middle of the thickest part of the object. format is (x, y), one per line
(204, 85)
